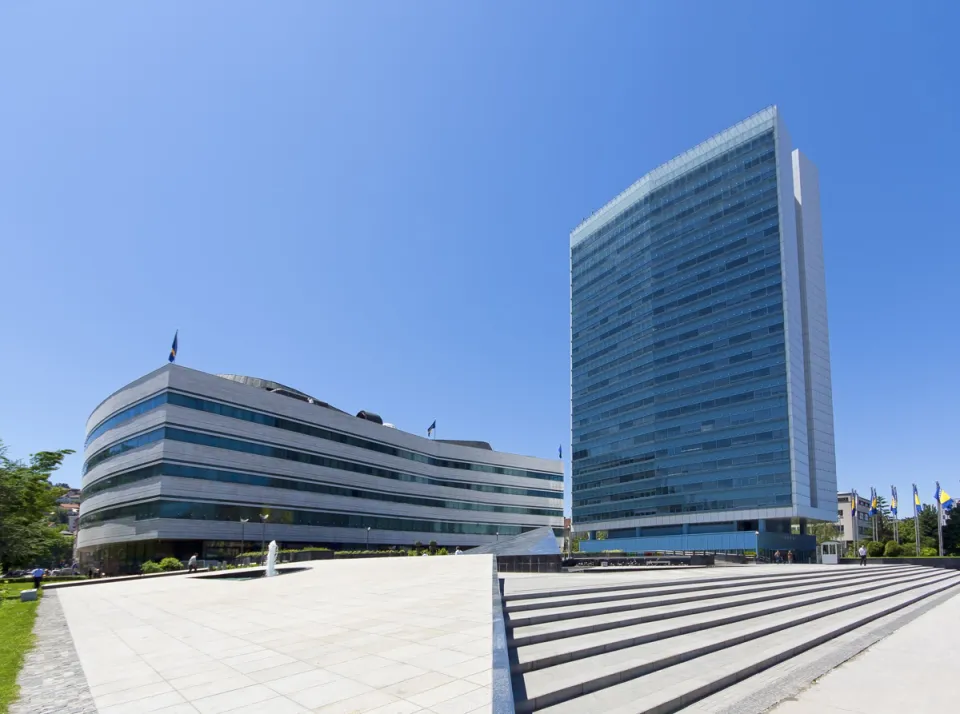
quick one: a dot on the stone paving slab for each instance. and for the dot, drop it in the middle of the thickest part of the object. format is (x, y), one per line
(391, 636)
(52, 681)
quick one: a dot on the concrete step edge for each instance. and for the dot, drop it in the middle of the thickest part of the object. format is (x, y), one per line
(751, 599)
(688, 698)
(632, 641)
(524, 706)
(562, 599)
(645, 601)
(664, 583)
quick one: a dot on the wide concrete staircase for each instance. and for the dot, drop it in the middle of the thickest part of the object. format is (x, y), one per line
(660, 645)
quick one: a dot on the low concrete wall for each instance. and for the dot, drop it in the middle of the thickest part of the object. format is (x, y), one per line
(945, 562)
(594, 561)
(117, 579)
(529, 563)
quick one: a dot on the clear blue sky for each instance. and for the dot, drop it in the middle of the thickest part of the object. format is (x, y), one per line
(371, 201)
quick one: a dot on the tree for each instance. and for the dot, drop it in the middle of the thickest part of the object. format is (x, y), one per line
(892, 550)
(875, 549)
(824, 531)
(951, 532)
(928, 521)
(27, 503)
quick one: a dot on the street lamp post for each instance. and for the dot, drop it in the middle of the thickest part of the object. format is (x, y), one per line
(263, 533)
(243, 540)
(368, 537)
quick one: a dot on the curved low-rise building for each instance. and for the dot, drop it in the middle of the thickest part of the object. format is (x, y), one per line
(181, 462)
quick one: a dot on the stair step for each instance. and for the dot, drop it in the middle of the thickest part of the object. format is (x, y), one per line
(553, 652)
(753, 695)
(675, 687)
(751, 573)
(646, 600)
(552, 685)
(673, 607)
(566, 599)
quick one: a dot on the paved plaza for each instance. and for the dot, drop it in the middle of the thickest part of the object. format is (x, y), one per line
(425, 636)
(391, 636)
(909, 671)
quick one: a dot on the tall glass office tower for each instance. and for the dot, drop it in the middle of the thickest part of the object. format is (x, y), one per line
(702, 407)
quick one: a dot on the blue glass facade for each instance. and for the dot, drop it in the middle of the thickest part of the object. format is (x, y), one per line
(681, 404)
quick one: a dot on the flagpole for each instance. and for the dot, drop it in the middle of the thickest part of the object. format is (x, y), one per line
(916, 519)
(896, 518)
(940, 525)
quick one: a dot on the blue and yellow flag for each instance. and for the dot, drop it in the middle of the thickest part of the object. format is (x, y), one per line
(916, 500)
(873, 501)
(173, 349)
(853, 504)
(893, 501)
(560, 451)
(943, 498)
(432, 428)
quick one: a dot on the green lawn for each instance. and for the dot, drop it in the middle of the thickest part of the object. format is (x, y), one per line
(16, 635)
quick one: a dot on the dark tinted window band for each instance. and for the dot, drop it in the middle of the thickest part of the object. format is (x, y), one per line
(205, 405)
(189, 510)
(223, 442)
(167, 468)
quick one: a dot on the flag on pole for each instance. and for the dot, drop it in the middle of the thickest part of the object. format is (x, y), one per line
(560, 451)
(873, 501)
(432, 428)
(893, 501)
(916, 500)
(173, 348)
(943, 498)
(853, 506)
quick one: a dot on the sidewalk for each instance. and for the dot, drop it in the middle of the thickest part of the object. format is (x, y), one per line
(909, 671)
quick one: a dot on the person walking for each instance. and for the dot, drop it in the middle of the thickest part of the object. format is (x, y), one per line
(37, 577)
(863, 555)
(192, 564)
(777, 558)
(790, 557)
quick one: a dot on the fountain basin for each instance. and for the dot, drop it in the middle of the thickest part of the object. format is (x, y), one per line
(248, 574)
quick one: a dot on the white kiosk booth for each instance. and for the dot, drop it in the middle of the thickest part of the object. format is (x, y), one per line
(830, 552)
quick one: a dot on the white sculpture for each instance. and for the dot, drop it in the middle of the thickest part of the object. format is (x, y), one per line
(272, 559)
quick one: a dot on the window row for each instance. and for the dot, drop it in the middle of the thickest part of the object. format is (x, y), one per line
(678, 252)
(167, 468)
(683, 187)
(689, 385)
(583, 516)
(278, 452)
(188, 510)
(597, 289)
(613, 495)
(645, 338)
(206, 405)
(771, 305)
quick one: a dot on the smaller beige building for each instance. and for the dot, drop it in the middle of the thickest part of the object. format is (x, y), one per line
(863, 529)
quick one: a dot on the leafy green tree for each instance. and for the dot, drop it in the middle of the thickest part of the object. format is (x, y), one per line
(875, 549)
(907, 530)
(951, 532)
(928, 522)
(823, 531)
(28, 502)
(892, 549)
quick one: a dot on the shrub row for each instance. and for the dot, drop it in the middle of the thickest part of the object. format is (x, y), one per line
(164, 566)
